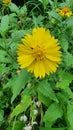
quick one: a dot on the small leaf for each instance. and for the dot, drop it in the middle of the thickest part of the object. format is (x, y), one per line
(25, 102)
(45, 2)
(38, 20)
(23, 10)
(4, 25)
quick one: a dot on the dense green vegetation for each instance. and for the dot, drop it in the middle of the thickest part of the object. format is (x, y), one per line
(26, 101)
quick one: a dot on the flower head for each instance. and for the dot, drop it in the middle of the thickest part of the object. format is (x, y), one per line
(65, 11)
(23, 118)
(39, 52)
(7, 1)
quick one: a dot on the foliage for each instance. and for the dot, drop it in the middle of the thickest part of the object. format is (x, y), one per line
(48, 102)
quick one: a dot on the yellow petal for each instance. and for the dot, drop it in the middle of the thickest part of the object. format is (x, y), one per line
(25, 60)
(39, 69)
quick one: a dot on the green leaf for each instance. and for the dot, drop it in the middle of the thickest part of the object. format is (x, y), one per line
(24, 104)
(1, 115)
(65, 79)
(53, 112)
(53, 14)
(44, 2)
(4, 25)
(17, 35)
(45, 100)
(69, 92)
(64, 44)
(63, 97)
(69, 22)
(20, 83)
(9, 128)
(46, 89)
(70, 113)
(13, 8)
(68, 59)
(23, 10)
(3, 55)
(29, 90)
(38, 20)
(17, 125)
(48, 128)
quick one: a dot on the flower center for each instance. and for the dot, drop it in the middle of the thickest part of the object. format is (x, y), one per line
(65, 9)
(38, 53)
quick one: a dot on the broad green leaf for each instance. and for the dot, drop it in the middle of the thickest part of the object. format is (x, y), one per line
(46, 89)
(20, 83)
(65, 79)
(13, 8)
(70, 113)
(4, 25)
(24, 104)
(53, 112)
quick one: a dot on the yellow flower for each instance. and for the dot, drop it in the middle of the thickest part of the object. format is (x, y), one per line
(39, 52)
(65, 11)
(7, 1)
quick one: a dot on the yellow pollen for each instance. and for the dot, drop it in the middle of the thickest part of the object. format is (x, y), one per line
(38, 53)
